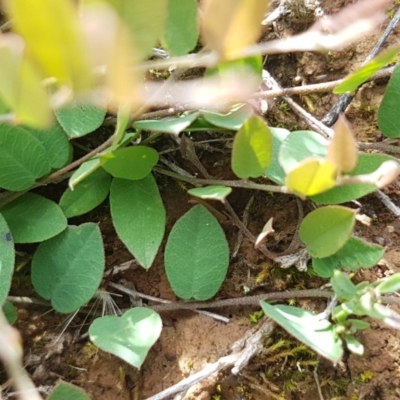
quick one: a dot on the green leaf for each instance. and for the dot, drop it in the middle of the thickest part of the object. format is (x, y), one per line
(7, 258)
(87, 195)
(390, 284)
(56, 143)
(252, 149)
(181, 31)
(68, 268)
(33, 218)
(274, 170)
(354, 80)
(54, 39)
(355, 254)
(233, 120)
(66, 391)
(130, 336)
(10, 312)
(80, 119)
(354, 345)
(171, 125)
(358, 324)
(214, 192)
(325, 230)
(300, 145)
(23, 159)
(138, 215)
(388, 116)
(134, 162)
(196, 255)
(304, 326)
(343, 286)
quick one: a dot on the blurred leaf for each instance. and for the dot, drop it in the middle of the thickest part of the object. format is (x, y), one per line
(354, 345)
(196, 255)
(388, 113)
(7, 258)
(390, 284)
(52, 35)
(87, 195)
(23, 159)
(252, 149)
(228, 26)
(304, 326)
(355, 254)
(354, 80)
(66, 391)
(342, 150)
(233, 120)
(311, 176)
(214, 192)
(138, 216)
(33, 218)
(21, 86)
(80, 119)
(325, 230)
(134, 162)
(10, 312)
(181, 31)
(129, 336)
(274, 170)
(145, 20)
(67, 269)
(358, 324)
(343, 286)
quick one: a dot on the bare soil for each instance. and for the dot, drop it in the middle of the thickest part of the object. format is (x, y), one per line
(190, 341)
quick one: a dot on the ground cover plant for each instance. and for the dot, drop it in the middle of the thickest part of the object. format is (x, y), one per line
(62, 74)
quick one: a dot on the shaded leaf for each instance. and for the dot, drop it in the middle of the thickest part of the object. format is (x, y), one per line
(10, 312)
(343, 286)
(7, 258)
(66, 391)
(196, 255)
(274, 170)
(233, 120)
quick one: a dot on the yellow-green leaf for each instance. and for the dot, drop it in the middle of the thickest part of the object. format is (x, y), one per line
(311, 176)
(252, 149)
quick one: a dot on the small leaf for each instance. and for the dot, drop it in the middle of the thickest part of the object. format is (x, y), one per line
(23, 159)
(80, 119)
(229, 26)
(252, 149)
(196, 255)
(10, 312)
(171, 125)
(87, 195)
(233, 120)
(354, 80)
(66, 391)
(354, 345)
(358, 324)
(325, 230)
(181, 31)
(274, 170)
(390, 284)
(85, 170)
(388, 120)
(134, 162)
(303, 325)
(311, 176)
(344, 288)
(130, 336)
(214, 192)
(67, 269)
(33, 218)
(7, 258)
(342, 150)
(138, 216)
(355, 254)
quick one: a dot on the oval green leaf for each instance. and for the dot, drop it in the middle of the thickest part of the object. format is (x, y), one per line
(33, 218)
(129, 336)
(343, 286)
(130, 163)
(274, 170)
(252, 149)
(138, 216)
(326, 230)
(214, 192)
(68, 268)
(7, 258)
(23, 159)
(196, 255)
(10, 312)
(66, 391)
(87, 195)
(80, 119)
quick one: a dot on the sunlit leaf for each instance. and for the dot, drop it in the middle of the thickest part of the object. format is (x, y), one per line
(390, 284)
(230, 25)
(325, 230)
(214, 192)
(252, 149)
(311, 176)
(342, 150)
